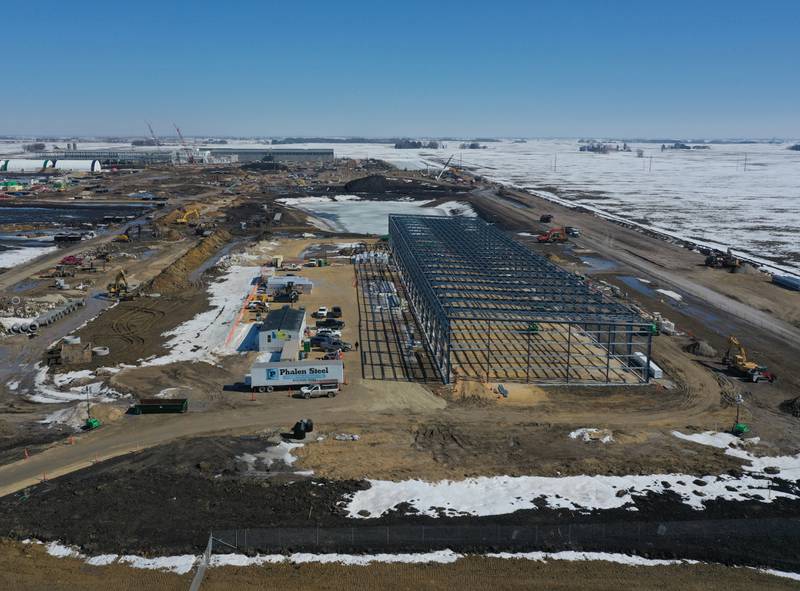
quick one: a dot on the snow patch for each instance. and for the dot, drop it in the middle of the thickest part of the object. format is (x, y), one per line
(592, 434)
(505, 494)
(671, 294)
(276, 453)
(627, 559)
(177, 564)
(206, 336)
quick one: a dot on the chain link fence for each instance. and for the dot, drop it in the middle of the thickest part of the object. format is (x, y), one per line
(769, 541)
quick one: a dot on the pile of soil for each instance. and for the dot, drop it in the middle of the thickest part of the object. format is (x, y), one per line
(175, 278)
(377, 184)
(701, 348)
(792, 406)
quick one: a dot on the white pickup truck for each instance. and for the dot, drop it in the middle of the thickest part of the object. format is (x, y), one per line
(328, 389)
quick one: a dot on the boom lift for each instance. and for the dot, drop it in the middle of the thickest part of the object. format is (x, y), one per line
(736, 360)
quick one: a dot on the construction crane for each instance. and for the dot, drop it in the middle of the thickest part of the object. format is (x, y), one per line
(446, 164)
(186, 148)
(736, 359)
(153, 134)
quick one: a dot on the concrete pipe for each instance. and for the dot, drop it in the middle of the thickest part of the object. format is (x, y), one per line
(33, 326)
(16, 328)
(101, 351)
(72, 339)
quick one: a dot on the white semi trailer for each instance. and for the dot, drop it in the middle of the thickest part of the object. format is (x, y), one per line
(265, 376)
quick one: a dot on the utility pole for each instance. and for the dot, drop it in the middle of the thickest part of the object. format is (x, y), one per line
(651, 165)
(555, 161)
(745, 162)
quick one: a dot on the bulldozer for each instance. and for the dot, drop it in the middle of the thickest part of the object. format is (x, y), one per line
(736, 359)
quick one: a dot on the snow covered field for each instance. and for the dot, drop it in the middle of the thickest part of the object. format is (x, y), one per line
(14, 257)
(349, 213)
(705, 195)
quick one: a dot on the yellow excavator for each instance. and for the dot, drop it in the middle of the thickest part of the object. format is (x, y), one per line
(118, 289)
(736, 360)
(187, 216)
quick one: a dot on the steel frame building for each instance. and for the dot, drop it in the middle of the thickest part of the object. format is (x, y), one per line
(492, 309)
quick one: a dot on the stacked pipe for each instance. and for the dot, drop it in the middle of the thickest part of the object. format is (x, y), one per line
(59, 312)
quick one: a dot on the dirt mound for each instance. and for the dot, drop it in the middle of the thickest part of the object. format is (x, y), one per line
(377, 183)
(701, 348)
(792, 407)
(175, 278)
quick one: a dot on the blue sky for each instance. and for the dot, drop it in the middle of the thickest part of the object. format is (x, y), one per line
(534, 69)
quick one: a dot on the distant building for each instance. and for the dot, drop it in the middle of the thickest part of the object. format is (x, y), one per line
(274, 155)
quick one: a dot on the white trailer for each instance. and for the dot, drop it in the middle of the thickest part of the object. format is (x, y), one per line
(265, 376)
(640, 359)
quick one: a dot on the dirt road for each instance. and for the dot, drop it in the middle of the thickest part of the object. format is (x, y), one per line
(633, 249)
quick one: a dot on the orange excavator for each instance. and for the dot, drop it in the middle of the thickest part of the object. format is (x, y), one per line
(553, 235)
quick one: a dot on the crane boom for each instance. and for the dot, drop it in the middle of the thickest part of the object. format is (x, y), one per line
(186, 148)
(153, 134)
(446, 164)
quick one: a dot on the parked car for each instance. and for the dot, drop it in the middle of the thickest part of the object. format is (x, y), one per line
(329, 332)
(322, 312)
(335, 312)
(321, 339)
(572, 231)
(332, 355)
(546, 218)
(330, 323)
(336, 345)
(327, 389)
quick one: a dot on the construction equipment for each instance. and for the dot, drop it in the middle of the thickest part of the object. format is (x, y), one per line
(119, 288)
(153, 134)
(121, 238)
(726, 260)
(187, 150)
(444, 168)
(553, 235)
(91, 423)
(736, 360)
(187, 216)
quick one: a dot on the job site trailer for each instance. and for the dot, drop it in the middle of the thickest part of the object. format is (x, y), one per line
(265, 376)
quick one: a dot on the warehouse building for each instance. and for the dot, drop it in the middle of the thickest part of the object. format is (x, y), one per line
(493, 310)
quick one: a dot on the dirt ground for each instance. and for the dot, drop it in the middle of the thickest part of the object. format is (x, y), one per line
(165, 498)
(466, 443)
(30, 568)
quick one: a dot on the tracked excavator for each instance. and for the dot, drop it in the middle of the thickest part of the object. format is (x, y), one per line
(736, 360)
(119, 289)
